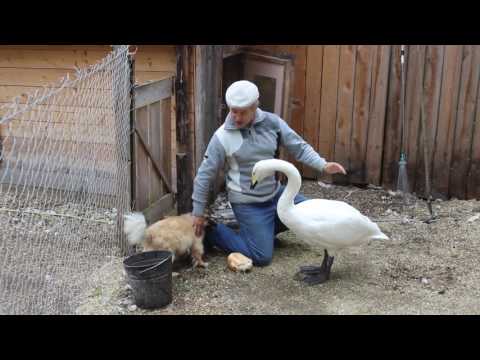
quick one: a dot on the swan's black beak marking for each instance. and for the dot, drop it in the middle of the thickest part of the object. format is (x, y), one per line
(253, 182)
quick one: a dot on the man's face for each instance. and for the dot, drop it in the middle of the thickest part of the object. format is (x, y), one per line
(243, 117)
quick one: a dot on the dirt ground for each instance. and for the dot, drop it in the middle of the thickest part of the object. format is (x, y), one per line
(424, 269)
(48, 249)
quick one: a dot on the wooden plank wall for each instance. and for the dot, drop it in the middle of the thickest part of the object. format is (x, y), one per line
(346, 104)
(338, 103)
(449, 76)
(27, 68)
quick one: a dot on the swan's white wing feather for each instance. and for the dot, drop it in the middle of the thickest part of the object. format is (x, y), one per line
(330, 223)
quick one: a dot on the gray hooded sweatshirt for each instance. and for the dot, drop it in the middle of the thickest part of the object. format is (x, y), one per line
(238, 150)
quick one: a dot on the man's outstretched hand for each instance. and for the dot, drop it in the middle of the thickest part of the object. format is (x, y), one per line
(334, 168)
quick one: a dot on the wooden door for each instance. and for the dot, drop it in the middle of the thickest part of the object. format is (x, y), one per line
(152, 173)
(271, 76)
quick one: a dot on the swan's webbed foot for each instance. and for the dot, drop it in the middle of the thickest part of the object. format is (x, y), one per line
(316, 279)
(310, 269)
(313, 275)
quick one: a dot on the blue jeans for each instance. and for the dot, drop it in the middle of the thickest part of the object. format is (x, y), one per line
(259, 223)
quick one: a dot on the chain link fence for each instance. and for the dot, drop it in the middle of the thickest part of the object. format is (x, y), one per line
(64, 184)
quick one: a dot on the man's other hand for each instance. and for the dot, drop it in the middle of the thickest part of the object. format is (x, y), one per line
(199, 223)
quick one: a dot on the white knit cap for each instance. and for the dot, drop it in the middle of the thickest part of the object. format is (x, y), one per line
(241, 94)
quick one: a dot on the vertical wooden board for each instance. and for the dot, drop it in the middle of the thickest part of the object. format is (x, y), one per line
(156, 142)
(166, 159)
(361, 110)
(298, 95)
(191, 84)
(473, 177)
(432, 81)
(173, 140)
(313, 100)
(142, 166)
(207, 93)
(465, 121)
(446, 120)
(346, 83)
(200, 100)
(376, 124)
(150, 170)
(183, 146)
(328, 113)
(414, 83)
(393, 124)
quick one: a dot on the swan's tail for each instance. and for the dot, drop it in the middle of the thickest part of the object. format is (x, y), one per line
(380, 236)
(134, 227)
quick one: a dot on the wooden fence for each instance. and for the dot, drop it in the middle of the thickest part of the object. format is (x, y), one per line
(346, 104)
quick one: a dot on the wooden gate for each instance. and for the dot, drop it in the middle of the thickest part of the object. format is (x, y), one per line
(152, 172)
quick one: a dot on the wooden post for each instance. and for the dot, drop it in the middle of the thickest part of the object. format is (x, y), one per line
(124, 247)
(184, 154)
(207, 94)
(208, 91)
(132, 168)
(184, 183)
(132, 176)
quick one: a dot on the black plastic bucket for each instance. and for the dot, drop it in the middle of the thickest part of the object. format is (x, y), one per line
(150, 276)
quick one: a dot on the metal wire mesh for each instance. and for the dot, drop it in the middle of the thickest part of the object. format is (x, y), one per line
(64, 183)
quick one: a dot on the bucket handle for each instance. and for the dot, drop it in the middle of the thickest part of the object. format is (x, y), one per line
(154, 266)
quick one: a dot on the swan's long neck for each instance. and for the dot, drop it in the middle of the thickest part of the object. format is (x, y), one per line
(293, 185)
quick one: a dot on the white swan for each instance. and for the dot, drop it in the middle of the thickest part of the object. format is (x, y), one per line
(331, 224)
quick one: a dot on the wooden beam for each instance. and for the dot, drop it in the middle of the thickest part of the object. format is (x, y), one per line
(184, 183)
(230, 50)
(377, 115)
(313, 101)
(328, 101)
(446, 119)
(337, 99)
(131, 138)
(150, 93)
(361, 111)
(155, 163)
(208, 82)
(391, 147)
(126, 249)
(184, 158)
(465, 121)
(158, 209)
(431, 92)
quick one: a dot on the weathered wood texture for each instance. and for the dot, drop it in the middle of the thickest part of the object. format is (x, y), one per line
(346, 104)
(27, 68)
